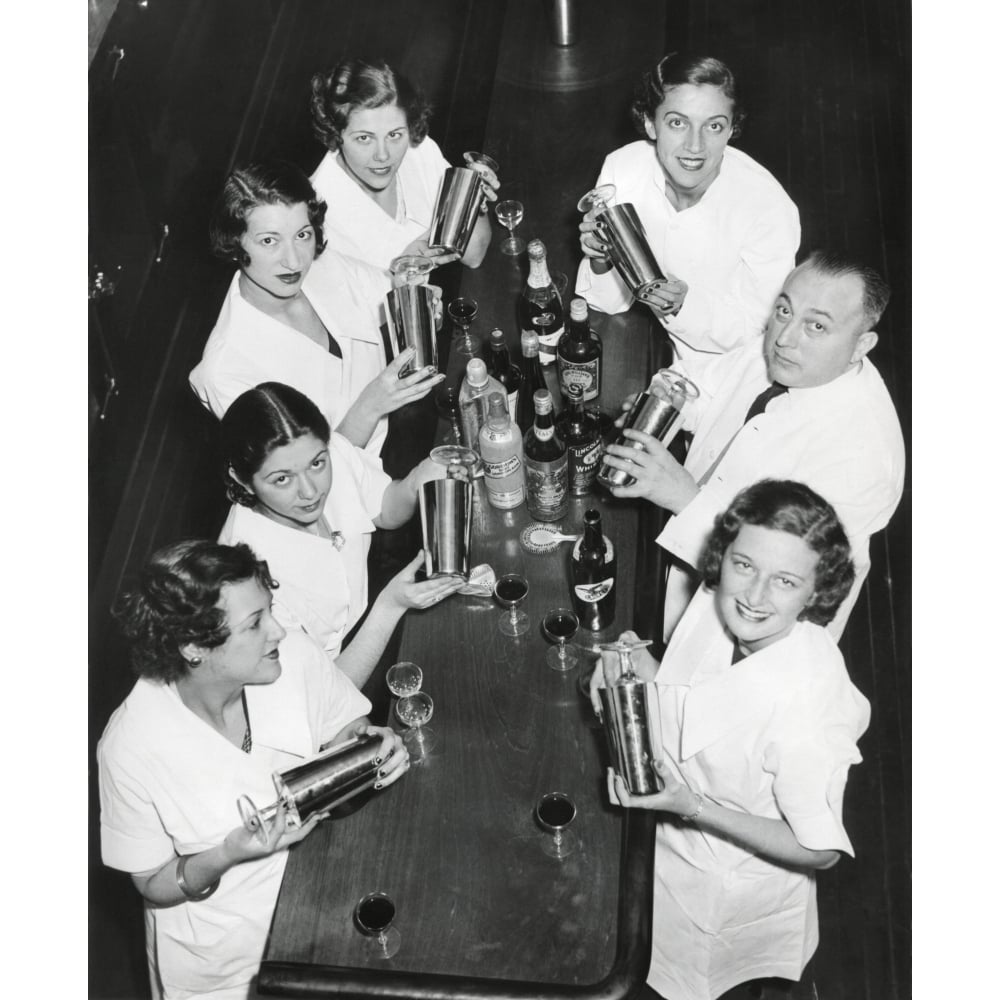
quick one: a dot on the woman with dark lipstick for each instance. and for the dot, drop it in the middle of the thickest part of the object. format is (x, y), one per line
(759, 723)
(297, 317)
(224, 699)
(382, 170)
(721, 227)
(308, 502)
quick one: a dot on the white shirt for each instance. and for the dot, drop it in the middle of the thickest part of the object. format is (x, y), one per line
(169, 785)
(733, 249)
(357, 226)
(774, 736)
(320, 589)
(842, 439)
(248, 347)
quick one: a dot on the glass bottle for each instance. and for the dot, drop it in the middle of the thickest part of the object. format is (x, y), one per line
(578, 357)
(532, 379)
(580, 430)
(541, 308)
(592, 567)
(502, 452)
(472, 401)
(545, 464)
(499, 365)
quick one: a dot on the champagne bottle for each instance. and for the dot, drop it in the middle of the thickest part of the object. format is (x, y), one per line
(581, 432)
(532, 379)
(578, 357)
(541, 308)
(593, 567)
(502, 452)
(472, 401)
(499, 365)
(545, 464)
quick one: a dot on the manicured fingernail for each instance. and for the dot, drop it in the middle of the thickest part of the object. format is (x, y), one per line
(378, 760)
(381, 774)
(378, 785)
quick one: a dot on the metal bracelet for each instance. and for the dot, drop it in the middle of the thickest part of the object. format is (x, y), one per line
(691, 817)
(189, 893)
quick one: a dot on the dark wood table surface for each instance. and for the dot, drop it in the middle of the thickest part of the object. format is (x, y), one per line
(481, 910)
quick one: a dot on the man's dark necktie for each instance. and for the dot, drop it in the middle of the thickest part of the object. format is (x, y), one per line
(760, 403)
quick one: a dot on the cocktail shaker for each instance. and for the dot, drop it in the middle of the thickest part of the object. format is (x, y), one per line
(318, 785)
(446, 514)
(656, 411)
(409, 311)
(459, 200)
(631, 720)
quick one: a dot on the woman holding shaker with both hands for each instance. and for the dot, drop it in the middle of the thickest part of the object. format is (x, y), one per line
(720, 226)
(759, 724)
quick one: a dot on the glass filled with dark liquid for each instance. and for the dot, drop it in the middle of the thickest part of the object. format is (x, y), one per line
(373, 916)
(560, 625)
(555, 811)
(511, 590)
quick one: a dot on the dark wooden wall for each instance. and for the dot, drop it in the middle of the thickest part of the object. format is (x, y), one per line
(202, 86)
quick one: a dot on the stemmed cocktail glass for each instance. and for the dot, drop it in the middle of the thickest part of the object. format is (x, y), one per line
(373, 916)
(555, 811)
(415, 711)
(511, 590)
(560, 625)
(462, 312)
(510, 213)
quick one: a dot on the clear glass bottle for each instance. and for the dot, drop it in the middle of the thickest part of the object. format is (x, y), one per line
(545, 463)
(502, 451)
(541, 308)
(579, 354)
(499, 365)
(592, 568)
(472, 401)
(532, 379)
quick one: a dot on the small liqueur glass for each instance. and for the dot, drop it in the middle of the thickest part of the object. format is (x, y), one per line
(554, 812)
(560, 625)
(511, 590)
(509, 214)
(415, 711)
(462, 311)
(373, 916)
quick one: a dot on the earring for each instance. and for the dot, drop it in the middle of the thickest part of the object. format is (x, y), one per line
(195, 661)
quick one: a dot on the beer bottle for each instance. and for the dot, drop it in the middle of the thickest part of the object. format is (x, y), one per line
(593, 567)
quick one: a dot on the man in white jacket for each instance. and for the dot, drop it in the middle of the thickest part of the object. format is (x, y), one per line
(803, 402)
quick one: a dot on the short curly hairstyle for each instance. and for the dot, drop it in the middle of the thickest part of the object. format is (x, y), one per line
(259, 420)
(784, 505)
(355, 83)
(273, 182)
(674, 70)
(175, 602)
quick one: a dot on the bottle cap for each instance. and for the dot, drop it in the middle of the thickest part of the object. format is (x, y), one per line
(536, 250)
(592, 516)
(543, 401)
(498, 406)
(496, 336)
(578, 310)
(475, 372)
(529, 343)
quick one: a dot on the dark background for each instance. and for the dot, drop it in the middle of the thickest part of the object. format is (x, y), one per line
(202, 86)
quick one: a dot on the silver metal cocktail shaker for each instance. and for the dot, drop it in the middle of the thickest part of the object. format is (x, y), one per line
(446, 514)
(457, 208)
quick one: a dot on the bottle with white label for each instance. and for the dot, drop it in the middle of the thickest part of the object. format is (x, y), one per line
(593, 566)
(502, 451)
(545, 461)
(541, 308)
(581, 432)
(499, 365)
(578, 358)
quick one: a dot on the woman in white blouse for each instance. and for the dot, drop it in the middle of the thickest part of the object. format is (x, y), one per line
(759, 723)
(382, 171)
(721, 227)
(297, 315)
(308, 501)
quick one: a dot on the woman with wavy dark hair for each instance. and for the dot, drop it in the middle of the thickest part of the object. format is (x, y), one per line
(308, 502)
(297, 314)
(721, 227)
(759, 724)
(224, 699)
(381, 171)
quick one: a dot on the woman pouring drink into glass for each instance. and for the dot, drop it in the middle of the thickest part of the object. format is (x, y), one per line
(720, 226)
(224, 698)
(759, 723)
